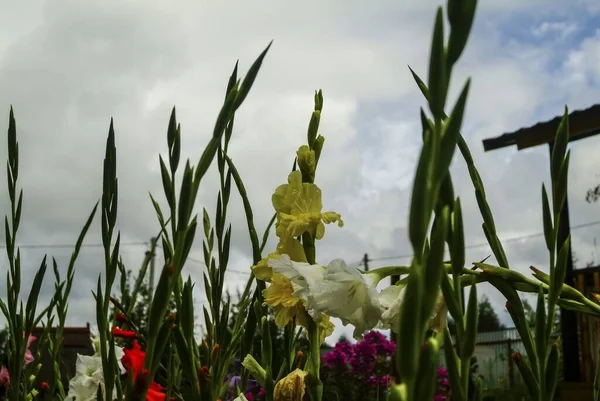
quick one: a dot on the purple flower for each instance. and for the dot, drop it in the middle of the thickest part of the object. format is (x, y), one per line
(374, 337)
(373, 381)
(386, 381)
(439, 397)
(250, 396)
(235, 381)
(262, 393)
(363, 358)
(335, 359)
(445, 382)
(442, 372)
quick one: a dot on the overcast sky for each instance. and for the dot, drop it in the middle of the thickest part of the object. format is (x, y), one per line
(67, 67)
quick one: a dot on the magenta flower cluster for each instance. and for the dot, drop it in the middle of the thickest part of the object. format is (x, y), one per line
(361, 370)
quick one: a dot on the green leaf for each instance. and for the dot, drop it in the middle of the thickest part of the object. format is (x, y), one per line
(548, 227)
(430, 361)
(250, 77)
(248, 210)
(408, 344)
(540, 326)
(185, 201)
(557, 280)
(420, 209)
(438, 78)
(457, 250)
(560, 185)
(453, 304)
(461, 14)
(528, 377)
(172, 129)
(552, 369)
(266, 233)
(434, 266)
(514, 305)
(470, 339)
(186, 361)
(167, 183)
(186, 316)
(452, 128)
(453, 366)
(560, 145)
(32, 300)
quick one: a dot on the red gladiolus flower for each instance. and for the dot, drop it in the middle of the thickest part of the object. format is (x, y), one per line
(133, 360)
(45, 386)
(117, 332)
(121, 318)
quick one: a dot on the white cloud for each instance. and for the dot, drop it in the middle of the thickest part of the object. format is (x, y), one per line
(70, 67)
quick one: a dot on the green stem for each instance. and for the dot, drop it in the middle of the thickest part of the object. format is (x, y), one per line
(315, 388)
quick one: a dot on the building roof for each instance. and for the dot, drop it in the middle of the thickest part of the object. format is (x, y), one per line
(582, 124)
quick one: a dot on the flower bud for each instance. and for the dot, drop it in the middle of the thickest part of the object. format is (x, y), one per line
(214, 353)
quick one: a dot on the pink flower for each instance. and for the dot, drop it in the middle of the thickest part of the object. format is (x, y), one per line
(249, 396)
(28, 355)
(4, 377)
(386, 381)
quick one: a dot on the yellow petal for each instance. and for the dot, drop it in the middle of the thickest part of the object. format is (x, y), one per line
(293, 248)
(261, 270)
(326, 328)
(291, 387)
(280, 292)
(278, 199)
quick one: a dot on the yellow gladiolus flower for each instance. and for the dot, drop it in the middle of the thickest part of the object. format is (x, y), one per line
(298, 207)
(292, 387)
(286, 246)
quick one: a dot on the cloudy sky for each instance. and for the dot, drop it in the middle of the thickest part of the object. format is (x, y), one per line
(67, 67)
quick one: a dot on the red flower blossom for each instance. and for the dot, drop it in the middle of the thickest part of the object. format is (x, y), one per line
(45, 386)
(121, 318)
(117, 332)
(133, 360)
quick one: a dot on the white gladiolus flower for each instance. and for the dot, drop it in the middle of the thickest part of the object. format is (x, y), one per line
(391, 299)
(347, 294)
(303, 277)
(89, 376)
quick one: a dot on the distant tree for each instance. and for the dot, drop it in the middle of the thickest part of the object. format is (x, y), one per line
(593, 194)
(140, 311)
(343, 338)
(530, 316)
(488, 318)
(3, 345)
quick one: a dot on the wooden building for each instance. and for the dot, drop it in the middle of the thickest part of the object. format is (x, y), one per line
(77, 340)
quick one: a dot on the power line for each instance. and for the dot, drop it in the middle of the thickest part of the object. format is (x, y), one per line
(227, 270)
(480, 245)
(54, 246)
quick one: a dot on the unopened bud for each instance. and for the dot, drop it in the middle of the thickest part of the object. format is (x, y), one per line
(214, 353)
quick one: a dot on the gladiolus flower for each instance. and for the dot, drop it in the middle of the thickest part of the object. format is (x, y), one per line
(4, 377)
(291, 387)
(120, 318)
(298, 207)
(118, 332)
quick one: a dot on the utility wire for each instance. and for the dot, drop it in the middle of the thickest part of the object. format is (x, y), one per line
(54, 246)
(480, 245)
